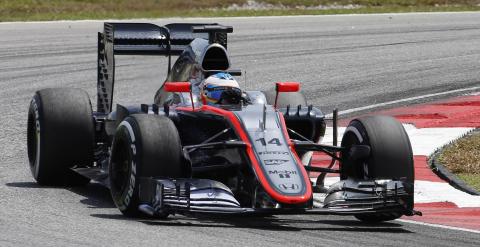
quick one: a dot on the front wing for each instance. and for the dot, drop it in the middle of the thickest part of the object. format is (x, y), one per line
(159, 196)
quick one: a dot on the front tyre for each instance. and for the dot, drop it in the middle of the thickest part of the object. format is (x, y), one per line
(60, 135)
(390, 157)
(144, 146)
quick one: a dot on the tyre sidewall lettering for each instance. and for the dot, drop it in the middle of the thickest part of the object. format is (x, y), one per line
(60, 135)
(128, 194)
(36, 113)
(133, 174)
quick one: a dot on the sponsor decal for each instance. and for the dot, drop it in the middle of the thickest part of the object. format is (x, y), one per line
(288, 186)
(274, 162)
(283, 174)
(273, 152)
(273, 141)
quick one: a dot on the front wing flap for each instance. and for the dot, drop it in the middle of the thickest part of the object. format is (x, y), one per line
(159, 196)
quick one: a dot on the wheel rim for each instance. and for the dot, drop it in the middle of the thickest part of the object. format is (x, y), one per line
(351, 169)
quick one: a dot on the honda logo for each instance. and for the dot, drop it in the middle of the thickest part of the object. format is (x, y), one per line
(289, 186)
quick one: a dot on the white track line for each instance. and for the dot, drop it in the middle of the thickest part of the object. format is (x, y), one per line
(438, 226)
(369, 107)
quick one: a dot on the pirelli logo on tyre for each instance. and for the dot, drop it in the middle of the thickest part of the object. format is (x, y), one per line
(133, 166)
(133, 172)
(37, 132)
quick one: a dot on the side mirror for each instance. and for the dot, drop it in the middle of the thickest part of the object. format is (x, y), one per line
(285, 87)
(180, 87)
(177, 87)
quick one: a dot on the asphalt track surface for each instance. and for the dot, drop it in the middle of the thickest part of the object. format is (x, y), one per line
(343, 61)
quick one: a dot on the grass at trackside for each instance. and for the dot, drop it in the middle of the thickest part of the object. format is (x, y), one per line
(34, 10)
(463, 159)
(473, 180)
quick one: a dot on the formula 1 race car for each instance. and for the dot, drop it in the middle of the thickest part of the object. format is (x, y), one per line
(181, 155)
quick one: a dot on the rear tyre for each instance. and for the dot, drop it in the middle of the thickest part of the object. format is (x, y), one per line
(390, 156)
(144, 146)
(60, 135)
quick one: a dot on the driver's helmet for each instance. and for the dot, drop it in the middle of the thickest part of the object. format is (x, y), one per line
(221, 88)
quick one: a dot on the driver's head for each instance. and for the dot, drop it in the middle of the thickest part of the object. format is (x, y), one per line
(221, 88)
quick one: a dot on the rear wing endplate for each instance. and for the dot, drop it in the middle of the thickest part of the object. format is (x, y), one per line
(146, 39)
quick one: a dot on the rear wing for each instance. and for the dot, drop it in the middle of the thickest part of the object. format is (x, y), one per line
(146, 39)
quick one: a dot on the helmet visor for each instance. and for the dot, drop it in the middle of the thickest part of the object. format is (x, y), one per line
(214, 92)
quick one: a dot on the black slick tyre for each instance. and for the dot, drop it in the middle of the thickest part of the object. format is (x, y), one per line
(144, 146)
(390, 156)
(60, 135)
